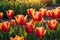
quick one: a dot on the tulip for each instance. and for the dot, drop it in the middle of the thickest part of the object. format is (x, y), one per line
(43, 11)
(52, 24)
(40, 32)
(37, 16)
(18, 38)
(31, 12)
(12, 22)
(49, 14)
(20, 19)
(5, 26)
(1, 15)
(29, 27)
(54, 14)
(57, 11)
(10, 13)
(0, 26)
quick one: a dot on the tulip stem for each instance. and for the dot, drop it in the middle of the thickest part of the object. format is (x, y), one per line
(56, 35)
(51, 35)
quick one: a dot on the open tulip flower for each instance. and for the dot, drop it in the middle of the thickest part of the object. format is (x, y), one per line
(31, 11)
(29, 27)
(40, 32)
(5, 26)
(1, 15)
(37, 16)
(10, 13)
(52, 24)
(12, 22)
(17, 38)
(20, 19)
(43, 12)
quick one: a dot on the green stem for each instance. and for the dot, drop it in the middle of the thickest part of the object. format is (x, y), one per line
(51, 35)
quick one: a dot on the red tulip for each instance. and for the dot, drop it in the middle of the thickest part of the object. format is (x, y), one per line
(40, 32)
(0, 26)
(12, 22)
(54, 14)
(10, 13)
(20, 19)
(5, 26)
(52, 24)
(29, 27)
(57, 11)
(49, 14)
(37, 16)
(31, 12)
(1, 15)
(43, 11)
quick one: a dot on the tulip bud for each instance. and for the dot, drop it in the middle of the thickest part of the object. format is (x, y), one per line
(29, 27)
(43, 12)
(31, 12)
(37, 17)
(20, 19)
(5, 26)
(52, 24)
(40, 32)
(10, 13)
(12, 22)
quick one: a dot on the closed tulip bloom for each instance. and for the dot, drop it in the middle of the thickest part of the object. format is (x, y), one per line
(54, 14)
(30, 11)
(12, 22)
(10, 13)
(52, 24)
(20, 19)
(37, 16)
(29, 27)
(1, 15)
(43, 11)
(49, 14)
(57, 11)
(5, 26)
(0, 26)
(40, 32)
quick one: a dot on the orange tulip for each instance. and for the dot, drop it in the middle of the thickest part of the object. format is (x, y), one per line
(52, 24)
(10, 13)
(0, 26)
(40, 32)
(5, 26)
(18, 38)
(1, 15)
(12, 22)
(29, 27)
(20, 19)
(31, 11)
(37, 16)
(43, 11)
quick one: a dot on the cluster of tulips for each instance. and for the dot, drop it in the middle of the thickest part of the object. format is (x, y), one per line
(32, 26)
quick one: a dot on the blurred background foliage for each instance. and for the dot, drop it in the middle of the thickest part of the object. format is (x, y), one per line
(21, 6)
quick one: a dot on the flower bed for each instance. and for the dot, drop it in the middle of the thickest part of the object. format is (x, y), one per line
(21, 29)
